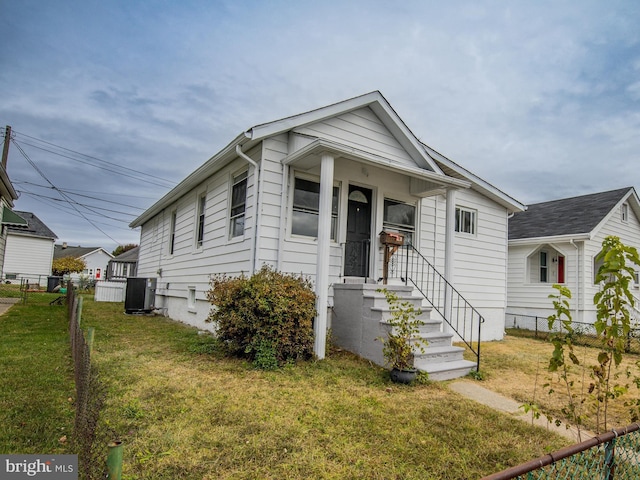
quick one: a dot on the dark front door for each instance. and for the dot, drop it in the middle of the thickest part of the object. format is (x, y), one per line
(357, 248)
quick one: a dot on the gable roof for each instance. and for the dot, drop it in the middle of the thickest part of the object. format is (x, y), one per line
(568, 216)
(251, 137)
(129, 256)
(61, 251)
(34, 226)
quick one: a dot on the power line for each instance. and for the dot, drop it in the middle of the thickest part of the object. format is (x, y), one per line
(70, 192)
(62, 194)
(108, 169)
(113, 164)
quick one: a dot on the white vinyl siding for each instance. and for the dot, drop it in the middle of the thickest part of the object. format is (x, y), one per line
(29, 257)
(363, 130)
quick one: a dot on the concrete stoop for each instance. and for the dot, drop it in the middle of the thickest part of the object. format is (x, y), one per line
(440, 358)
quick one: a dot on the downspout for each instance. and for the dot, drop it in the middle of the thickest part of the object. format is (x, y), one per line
(256, 206)
(578, 303)
(283, 211)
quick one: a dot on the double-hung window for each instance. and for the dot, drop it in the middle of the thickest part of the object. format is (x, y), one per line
(625, 212)
(466, 220)
(238, 205)
(544, 267)
(306, 208)
(400, 217)
(172, 233)
(202, 206)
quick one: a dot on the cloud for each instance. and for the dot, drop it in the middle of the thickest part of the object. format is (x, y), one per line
(535, 97)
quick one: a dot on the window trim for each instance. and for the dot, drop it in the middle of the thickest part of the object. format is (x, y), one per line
(335, 217)
(191, 298)
(236, 179)
(473, 221)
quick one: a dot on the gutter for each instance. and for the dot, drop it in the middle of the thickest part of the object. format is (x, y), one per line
(257, 206)
(550, 239)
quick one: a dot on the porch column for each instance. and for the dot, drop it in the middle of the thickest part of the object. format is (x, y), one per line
(323, 256)
(450, 231)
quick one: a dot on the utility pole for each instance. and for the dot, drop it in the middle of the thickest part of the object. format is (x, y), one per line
(5, 150)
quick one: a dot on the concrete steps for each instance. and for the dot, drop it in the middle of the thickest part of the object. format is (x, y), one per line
(361, 317)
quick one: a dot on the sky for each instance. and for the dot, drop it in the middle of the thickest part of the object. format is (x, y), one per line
(112, 103)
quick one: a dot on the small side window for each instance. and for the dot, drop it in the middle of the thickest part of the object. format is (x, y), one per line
(466, 220)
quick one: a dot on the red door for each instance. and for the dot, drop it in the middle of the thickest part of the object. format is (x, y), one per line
(560, 269)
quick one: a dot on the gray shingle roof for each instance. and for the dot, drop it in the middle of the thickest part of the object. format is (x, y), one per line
(60, 251)
(567, 216)
(35, 227)
(128, 256)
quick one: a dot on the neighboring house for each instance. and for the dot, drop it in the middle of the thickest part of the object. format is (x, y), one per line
(95, 258)
(29, 249)
(7, 197)
(557, 242)
(123, 266)
(309, 194)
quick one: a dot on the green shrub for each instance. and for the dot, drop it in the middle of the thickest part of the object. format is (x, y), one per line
(267, 315)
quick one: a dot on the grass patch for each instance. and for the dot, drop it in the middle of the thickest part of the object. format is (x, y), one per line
(183, 411)
(37, 378)
(511, 366)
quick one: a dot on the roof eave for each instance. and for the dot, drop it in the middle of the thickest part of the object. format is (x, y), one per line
(579, 237)
(321, 145)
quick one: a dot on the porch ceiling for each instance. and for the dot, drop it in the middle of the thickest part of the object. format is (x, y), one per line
(424, 183)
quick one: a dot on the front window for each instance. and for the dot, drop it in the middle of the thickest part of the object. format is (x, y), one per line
(400, 217)
(238, 205)
(625, 212)
(306, 208)
(466, 220)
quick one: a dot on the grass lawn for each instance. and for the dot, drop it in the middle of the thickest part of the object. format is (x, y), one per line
(184, 412)
(517, 368)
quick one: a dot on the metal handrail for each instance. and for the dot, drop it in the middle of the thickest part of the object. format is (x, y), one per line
(459, 314)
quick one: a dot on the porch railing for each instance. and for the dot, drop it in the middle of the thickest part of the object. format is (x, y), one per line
(459, 314)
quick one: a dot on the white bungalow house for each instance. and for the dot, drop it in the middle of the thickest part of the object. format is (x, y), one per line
(29, 248)
(310, 194)
(96, 260)
(557, 242)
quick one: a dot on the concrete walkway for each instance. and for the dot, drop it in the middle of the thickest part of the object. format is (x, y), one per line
(6, 304)
(473, 391)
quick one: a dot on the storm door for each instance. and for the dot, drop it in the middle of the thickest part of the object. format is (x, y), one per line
(358, 245)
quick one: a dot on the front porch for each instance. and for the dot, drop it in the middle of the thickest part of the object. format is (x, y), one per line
(358, 195)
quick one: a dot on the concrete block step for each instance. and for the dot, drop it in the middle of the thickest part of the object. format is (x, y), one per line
(437, 339)
(448, 370)
(437, 355)
(378, 300)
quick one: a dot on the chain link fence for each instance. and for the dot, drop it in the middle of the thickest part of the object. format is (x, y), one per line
(90, 393)
(609, 456)
(584, 333)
